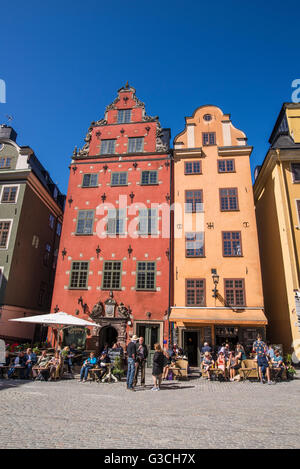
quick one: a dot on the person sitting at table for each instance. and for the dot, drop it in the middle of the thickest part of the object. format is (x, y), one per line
(103, 360)
(233, 364)
(87, 365)
(54, 363)
(19, 362)
(240, 352)
(277, 365)
(207, 364)
(40, 370)
(30, 361)
(221, 364)
(167, 364)
(4, 364)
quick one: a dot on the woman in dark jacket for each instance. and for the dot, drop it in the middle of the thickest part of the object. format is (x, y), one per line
(158, 365)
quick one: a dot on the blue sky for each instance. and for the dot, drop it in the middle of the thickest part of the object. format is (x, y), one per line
(63, 62)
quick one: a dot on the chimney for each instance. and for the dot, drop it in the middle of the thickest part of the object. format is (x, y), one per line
(7, 132)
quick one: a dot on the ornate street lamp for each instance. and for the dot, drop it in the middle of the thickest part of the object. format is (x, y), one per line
(215, 278)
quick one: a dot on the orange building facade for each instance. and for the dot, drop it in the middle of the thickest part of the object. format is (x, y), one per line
(217, 286)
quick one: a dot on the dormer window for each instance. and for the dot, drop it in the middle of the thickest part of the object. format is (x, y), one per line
(124, 116)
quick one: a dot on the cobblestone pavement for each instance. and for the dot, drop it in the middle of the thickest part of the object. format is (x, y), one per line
(187, 414)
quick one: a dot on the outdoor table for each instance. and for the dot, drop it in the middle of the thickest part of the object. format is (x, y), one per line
(109, 376)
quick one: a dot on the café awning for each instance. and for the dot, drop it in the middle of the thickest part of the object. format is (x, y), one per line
(207, 316)
(60, 319)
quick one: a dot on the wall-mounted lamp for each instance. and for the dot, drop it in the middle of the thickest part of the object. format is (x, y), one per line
(56, 309)
(148, 314)
(63, 253)
(103, 197)
(167, 164)
(168, 253)
(129, 250)
(105, 168)
(131, 195)
(215, 278)
(98, 133)
(135, 165)
(74, 168)
(168, 197)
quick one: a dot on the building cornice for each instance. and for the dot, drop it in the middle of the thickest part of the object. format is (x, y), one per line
(238, 150)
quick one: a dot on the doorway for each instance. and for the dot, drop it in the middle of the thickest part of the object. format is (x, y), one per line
(151, 334)
(108, 336)
(191, 347)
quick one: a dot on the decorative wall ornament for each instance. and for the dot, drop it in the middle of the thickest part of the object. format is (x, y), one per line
(110, 306)
(97, 311)
(123, 311)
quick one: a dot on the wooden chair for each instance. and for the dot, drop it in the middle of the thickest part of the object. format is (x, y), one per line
(181, 369)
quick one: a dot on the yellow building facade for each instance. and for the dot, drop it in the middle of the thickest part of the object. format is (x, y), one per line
(217, 293)
(277, 201)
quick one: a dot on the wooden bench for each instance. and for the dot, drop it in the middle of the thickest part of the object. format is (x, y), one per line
(249, 369)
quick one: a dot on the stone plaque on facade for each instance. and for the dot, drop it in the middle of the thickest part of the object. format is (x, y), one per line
(110, 306)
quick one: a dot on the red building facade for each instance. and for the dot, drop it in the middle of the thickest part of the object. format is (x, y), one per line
(115, 246)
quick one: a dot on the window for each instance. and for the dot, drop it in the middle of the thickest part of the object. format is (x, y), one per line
(35, 241)
(58, 229)
(148, 221)
(195, 292)
(107, 147)
(124, 116)
(55, 255)
(116, 221)
(226, 166)
(232, 243)
(90, 180)
(85, 222)
(207, 117)
(9, 194)
(42, 294)
(47, 253)
(298, 210)
(146, 275)
(112, 271)
(79, 274)
(51, 221)
(229, 199)
(4, 232)
(295, 167)
(235, 292)
(193, 201)
(192, 167)
(208, 138)
(135, 144)
(5, 162)
(194, 244)
(149, 177)
(119, 179)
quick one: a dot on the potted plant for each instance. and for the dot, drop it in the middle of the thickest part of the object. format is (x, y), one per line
(118, 368)
(290, 370)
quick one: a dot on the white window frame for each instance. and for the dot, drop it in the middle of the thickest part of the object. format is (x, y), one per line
(1, 274)
(9, 233)
(17, 194)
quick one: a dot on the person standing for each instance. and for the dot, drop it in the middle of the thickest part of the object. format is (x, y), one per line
(30, 361)
(141, 360)
(131, 359)
(158, 366)
(260, 348)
